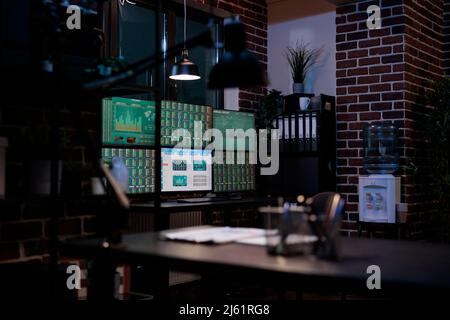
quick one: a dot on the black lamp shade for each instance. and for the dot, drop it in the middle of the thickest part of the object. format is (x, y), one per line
(185, 70)
(237, 67)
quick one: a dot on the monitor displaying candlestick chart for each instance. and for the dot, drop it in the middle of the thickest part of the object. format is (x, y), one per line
(140, 164)
(193, 119)
(128, 122)
(235, 173)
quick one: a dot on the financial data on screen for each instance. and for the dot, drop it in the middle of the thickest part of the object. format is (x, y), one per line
(186, 170)
(128, 122)
(234, 127)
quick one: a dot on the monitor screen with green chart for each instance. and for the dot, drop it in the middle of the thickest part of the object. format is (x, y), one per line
(237, 123)
(128, 122)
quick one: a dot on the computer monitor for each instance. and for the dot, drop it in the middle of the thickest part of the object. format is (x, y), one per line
(186, 170)
(177, 115)
(140, 164)
(127, 122)
(236, 176)
(240, 123)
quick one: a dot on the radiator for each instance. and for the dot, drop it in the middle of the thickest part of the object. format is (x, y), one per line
(144, 222)
(185, 219)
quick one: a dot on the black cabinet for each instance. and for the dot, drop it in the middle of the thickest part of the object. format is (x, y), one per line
(307, 151)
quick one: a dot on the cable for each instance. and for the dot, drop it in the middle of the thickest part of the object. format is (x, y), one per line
(185, 15)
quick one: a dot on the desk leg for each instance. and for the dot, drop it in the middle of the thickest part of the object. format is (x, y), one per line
(212, 288)
(207, 217)
(161, 273)
(227, 217)
(101, 280)
(360, 229)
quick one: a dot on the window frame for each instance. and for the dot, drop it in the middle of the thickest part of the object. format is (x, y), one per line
(171, 9)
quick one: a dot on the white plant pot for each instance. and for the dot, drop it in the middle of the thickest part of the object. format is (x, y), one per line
(298, 88)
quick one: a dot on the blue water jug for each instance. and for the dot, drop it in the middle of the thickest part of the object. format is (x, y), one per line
(380, 148)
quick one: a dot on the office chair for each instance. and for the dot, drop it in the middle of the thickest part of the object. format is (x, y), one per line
(329, 204)
(329, 207)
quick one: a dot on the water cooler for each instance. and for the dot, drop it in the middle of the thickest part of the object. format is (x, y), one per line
(379, 192)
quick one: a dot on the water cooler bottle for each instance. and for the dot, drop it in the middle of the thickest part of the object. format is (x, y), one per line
(380, 191)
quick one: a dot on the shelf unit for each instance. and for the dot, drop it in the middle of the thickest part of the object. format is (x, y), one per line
(307, 144)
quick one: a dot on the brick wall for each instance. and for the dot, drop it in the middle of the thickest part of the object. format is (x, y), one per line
(382, 76)
(447, 37)
(24, 224)
(253, 14)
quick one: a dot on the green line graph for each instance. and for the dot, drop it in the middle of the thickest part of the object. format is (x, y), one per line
(127, 121)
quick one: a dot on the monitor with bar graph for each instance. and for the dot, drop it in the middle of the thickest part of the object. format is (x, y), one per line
(128, 122)
(186, 170)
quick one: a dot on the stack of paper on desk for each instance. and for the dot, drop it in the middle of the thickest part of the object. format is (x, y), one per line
(214, 234)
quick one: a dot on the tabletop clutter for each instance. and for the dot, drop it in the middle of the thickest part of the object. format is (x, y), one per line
(307, 227)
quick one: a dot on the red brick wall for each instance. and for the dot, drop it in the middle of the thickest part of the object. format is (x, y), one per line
(24, 225)
(381, 75)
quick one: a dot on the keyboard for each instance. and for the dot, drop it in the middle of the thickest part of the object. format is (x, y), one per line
(200, 200)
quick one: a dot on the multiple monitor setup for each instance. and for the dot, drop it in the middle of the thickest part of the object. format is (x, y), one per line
(128, 132)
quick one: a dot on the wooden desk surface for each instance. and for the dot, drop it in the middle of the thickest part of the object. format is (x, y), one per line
(409, 264)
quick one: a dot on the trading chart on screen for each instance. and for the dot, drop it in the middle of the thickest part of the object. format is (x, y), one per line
(128, 122)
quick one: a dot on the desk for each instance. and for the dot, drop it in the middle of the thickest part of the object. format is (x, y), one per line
(403, 264)
(168, 207)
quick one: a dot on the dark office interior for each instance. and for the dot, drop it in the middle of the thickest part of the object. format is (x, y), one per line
(230, 151)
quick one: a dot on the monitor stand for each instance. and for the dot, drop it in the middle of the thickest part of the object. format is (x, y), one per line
(235, 196)
(228, 196)
(209, 197)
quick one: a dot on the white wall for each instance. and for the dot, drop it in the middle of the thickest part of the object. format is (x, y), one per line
(318, 30)
(231, 99)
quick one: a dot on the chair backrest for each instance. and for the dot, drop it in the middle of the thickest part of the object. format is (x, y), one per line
(329, 206)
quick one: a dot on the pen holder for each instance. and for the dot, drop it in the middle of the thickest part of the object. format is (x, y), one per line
(288, 231)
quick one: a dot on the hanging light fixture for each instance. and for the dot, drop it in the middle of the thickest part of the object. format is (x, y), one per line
(237, 67)
(185, 69)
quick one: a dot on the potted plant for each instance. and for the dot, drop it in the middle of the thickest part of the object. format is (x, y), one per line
(106, 67)
(271, 106)
(301, 59)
